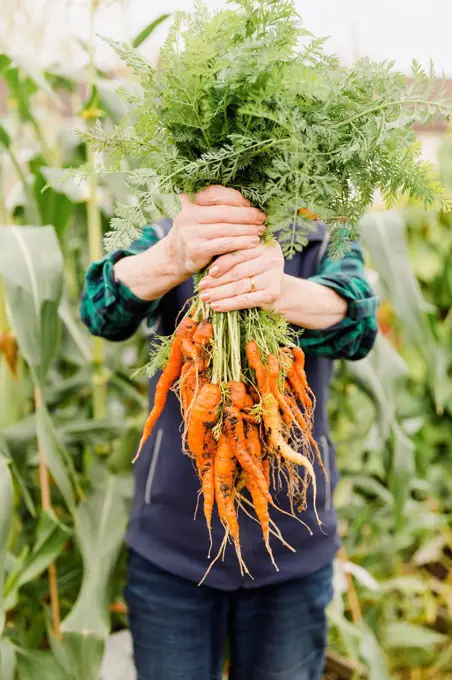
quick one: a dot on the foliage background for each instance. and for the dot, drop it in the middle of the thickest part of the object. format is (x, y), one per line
(70, 415)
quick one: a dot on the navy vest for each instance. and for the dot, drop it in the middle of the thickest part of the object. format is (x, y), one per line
(162, 526)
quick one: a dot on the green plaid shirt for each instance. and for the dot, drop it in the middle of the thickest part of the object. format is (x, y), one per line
(111, 310)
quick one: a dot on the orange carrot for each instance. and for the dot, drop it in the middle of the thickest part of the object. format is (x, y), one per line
(272, 420)
(208, 477)
(189, 350)
(248, 401)
(237, 393)
(233, 426)
(202, 419)
(169, 376)
(253, 394)
(298, 388)
(203, 334)
(259, 500)
(224, 472)
(266, 470)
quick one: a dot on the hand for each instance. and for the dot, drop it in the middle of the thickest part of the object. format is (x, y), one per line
(218, 221)
(229, 284)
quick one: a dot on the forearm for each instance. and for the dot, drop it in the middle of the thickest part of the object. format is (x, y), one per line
(151, 274)
(309, 304)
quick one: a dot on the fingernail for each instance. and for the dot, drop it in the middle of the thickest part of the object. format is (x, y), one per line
(214, 270)
(204, 297)
(261, 229)
(202, 283)
(255, 240)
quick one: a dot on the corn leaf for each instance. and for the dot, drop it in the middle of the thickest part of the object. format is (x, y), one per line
(6, 516)
(31, 266)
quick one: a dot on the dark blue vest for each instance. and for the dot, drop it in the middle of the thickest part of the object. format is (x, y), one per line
(162, 527)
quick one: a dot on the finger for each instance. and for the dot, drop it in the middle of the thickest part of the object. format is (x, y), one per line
(185, 201)
(219, 246)
(252, 267)
(212, 214)
(211, 231)
(258, 298)
(233, 288)
(218, 195)
(226, 262)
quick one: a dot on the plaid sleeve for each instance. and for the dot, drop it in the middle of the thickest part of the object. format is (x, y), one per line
(108, 307)
(353, 337)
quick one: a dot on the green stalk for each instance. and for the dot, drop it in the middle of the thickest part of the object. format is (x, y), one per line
(31, 207)
(99, 380)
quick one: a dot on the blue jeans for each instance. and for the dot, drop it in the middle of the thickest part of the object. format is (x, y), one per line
(180, 630)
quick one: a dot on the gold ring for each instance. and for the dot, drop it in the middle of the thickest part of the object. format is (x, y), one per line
(252, 285)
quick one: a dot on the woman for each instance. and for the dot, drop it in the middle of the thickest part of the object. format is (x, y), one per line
(275, 621)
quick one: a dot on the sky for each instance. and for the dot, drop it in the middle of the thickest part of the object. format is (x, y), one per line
(48, 30)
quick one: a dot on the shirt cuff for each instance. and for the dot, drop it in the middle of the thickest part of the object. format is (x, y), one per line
(358, 307)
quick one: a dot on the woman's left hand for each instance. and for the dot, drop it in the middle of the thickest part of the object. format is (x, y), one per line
(244, 279)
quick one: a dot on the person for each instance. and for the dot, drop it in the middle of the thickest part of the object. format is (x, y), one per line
(273, 624)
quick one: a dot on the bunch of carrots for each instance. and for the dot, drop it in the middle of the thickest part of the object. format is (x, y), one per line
(240, 433)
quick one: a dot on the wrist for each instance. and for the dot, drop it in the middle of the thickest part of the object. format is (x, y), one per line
(291, 289)
(166, 261)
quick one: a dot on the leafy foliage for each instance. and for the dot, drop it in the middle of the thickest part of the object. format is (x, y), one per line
(246, 97)
(401, 570)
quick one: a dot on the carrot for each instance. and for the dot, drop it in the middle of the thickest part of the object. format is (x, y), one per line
(169, 376)
(233, 426)
(189, 350)
(237, 394)
(266, 470)
(248, 401)
(305, 428)
(208, 478)
(187, 386)
(255, 362)
(259, 500)
(299, 357)
(202, 419)
(224, 473)
(272, 419)
(273, 374)
(298, 388)
(253, 394)
(203, 334)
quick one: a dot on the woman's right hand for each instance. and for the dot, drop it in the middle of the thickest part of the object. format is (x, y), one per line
(219, 220)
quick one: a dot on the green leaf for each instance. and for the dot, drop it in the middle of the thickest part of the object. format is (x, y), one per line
(377, 375)
(100, 522)
(402, 472)
(57, 458)
(13, 398)
(384, 236)
(6, 516)
(7, 660)
(51, 537)
(147, 30)
(373, 655)
(29, 69)
(79, 654)
(402, 634)
(5, 139)
(38, 665)
(31, 265)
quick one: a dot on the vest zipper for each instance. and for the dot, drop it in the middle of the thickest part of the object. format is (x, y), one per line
(327, 464)
(152, 466)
